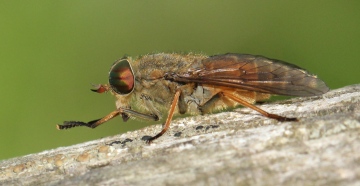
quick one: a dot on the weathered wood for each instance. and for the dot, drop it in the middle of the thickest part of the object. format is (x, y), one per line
(228, 148)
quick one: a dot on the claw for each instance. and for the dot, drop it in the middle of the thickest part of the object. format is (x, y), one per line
(148, 139)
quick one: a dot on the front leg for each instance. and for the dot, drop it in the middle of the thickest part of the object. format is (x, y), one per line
(94, 123)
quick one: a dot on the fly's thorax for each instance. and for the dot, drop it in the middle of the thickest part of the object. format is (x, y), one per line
(155, 66)
(153, 96)
(152, 93)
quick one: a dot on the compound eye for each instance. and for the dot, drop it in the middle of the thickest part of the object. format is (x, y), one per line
(121, 77)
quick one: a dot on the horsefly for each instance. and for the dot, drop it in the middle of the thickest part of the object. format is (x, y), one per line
(157, 86)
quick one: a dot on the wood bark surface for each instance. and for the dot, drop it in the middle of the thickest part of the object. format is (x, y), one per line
(238, 147)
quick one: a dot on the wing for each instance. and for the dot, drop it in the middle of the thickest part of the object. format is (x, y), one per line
(254, 73)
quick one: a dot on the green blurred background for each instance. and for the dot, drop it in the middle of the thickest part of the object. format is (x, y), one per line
(51, 52)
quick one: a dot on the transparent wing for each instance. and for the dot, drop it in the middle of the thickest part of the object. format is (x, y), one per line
(254, 73)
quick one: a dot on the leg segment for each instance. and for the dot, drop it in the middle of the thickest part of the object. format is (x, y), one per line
(263, 112)
(94, 123)
(168, 119)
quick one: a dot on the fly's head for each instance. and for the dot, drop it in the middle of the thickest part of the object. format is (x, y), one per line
(121, 82)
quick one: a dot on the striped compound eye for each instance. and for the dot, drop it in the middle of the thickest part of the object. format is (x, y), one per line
(121, 77)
